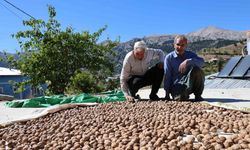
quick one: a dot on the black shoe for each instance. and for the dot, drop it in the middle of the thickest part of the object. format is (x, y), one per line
(167, 98)
(198, 98)
(154, 97)
(181, 97)
(137, 97)
(185, 98)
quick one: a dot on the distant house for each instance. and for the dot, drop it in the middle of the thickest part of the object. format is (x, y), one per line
(7, 75)
(213, 60)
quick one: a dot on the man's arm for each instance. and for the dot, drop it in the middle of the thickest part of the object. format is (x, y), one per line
(168, 76)
(161, 55)
(125, 73)
(195, 60)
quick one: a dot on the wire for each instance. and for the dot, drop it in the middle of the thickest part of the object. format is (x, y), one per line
(11, 11)
(19, 9)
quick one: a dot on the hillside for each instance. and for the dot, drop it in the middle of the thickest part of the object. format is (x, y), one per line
(216, 58)
(205, 39)
(210, 37)
(2, 56)
(214, 33)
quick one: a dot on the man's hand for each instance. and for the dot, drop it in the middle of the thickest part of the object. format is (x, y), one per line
(183, 66)
(160, 65)
(129, 98)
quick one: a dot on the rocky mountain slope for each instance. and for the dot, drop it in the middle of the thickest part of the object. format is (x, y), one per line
(214, 33)
(3, 57)
(209, 37)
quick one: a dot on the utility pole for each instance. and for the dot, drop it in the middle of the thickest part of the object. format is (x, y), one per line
(248, 42)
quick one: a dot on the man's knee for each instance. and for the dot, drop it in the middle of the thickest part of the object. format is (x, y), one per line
(154, 75)
(155, 71)
(158, 73)
(197, 70)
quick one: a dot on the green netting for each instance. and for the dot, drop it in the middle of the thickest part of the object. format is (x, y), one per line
(46, 101)
(113, 96)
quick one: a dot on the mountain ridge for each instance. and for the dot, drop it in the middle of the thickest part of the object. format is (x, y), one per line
(208, 37)
(212, 32)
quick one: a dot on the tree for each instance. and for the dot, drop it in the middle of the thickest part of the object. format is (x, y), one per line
(52, 55)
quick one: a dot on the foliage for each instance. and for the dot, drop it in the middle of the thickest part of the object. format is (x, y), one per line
(112, 83)
(214, 67)
(52, 55)
(223, 54)
(17, 87)
(83, 81)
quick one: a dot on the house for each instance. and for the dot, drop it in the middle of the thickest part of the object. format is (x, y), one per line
(6, 88)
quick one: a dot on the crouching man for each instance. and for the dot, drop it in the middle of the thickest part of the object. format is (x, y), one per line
(142, 67)
(183, 73)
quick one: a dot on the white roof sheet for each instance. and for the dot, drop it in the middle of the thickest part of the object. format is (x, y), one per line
(9, 72)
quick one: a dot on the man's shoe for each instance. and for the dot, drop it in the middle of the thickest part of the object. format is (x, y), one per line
(137, 97)
(167, 98)
(184, 98)
(198, 98)
(181, 98)
(154, 97)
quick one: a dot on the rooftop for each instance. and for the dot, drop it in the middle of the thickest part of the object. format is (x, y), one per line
(9, 72)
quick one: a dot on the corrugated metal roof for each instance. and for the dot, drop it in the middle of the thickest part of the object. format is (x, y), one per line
(236, 67)
(9, 72)
(212, 82)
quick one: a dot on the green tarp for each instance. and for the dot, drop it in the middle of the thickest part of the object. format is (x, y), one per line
(46, 101)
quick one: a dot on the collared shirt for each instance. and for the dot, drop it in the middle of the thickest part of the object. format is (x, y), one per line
(132, 66)
(171, 67)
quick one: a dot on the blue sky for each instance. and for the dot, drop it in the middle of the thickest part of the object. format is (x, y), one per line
(128, 18)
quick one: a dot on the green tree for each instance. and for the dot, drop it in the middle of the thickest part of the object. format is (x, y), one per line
(52, 55)
(83, 81)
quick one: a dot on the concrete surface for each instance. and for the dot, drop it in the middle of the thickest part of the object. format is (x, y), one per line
(228, 98)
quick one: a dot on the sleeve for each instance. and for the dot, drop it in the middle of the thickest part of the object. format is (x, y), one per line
(161, 55)
(125, 73)
(168, 76)
(195, 60)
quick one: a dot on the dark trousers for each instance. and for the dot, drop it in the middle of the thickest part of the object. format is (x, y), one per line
(192, 82)
(152, 77)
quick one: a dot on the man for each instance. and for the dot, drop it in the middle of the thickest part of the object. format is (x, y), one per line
(142, 67)
(183, 74)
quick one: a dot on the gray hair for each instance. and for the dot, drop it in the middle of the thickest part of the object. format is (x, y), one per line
(140, 44)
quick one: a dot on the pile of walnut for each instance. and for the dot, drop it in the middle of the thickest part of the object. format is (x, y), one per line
(141, 125)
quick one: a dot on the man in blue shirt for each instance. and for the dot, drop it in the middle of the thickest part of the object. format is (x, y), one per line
(183, 74)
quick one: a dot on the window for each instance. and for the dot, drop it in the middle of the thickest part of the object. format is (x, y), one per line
(1, 90)
(36, 91)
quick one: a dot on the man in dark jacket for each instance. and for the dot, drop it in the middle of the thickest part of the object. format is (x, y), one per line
(183, 73)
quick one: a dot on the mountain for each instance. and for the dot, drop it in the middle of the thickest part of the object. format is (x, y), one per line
(2, 63)
(3, 57)
(209, 37)
(214, 33)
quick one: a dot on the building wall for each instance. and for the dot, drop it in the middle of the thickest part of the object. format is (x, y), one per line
(8, 89)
